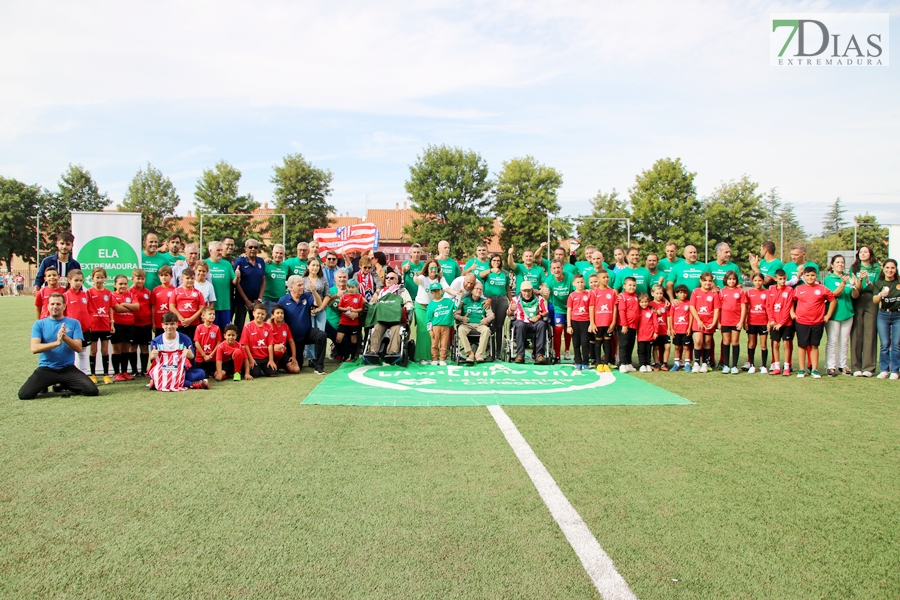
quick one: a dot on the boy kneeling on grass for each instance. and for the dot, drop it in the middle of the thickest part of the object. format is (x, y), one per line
(170, 360)
(230, 357)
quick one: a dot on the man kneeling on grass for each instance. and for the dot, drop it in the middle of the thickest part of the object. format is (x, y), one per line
(170, 359)
(56, 338)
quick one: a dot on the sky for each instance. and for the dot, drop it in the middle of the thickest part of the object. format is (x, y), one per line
(597, 90)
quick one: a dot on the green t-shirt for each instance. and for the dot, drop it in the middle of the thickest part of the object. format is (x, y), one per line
(687, 274)
(276, 279)
(151, 265)
(892, 301)
(332, 314)
(844, 308)
(472, 309)
(791, 268)
(409, 281)
(568, 268)
(718, 272)
(665, 266)
(768, 267)
(175, 258)
(496, 284)
(874, 271)
(641, 276)
(440, 312)
(221, 274)
(535, 275)
(590, 270)
(296, 266)
(479, 265)
(559, 292)
(450, 268)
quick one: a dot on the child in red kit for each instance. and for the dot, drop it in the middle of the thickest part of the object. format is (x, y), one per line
(646, 332)
(78, 307)
(283, 347)
(123, 338)
(706, 305)
(143, 322)
(187, 302)
(256, 338)
(161, 296)
(733, 317)
(757, 323)
(663, 328)
(206, 339)
(351, 306)
(682, 322)
(103, 324)
(51, 276)
(230, 357)
(578, 308)
(810, 315)
(779, 304)
(603, 309)
(628, 310)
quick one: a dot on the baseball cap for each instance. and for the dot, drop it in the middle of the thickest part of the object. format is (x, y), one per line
(353, 284)
(435, 285)
(526, 285)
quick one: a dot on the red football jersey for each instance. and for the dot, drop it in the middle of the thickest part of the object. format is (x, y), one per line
(578, 305)
(187, 301)
(705, 303)
(681, 317)
(78, 306)
(628, 310)
(257, 339)
(144, 314)
(756, 306)
(43, 298)
(354, 301)
(280, 336)
(225, 353)
(662, 317)
(207, 338)
(778, 305)
(646, 328)
(101, 303)
(160, 297)
(811, 302)
(124, 318)
(732, 300)
(602, 303)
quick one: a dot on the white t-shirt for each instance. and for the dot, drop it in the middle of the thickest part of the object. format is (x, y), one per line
(207, 289)
(423, 296)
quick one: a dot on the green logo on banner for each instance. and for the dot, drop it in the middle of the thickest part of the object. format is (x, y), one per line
(112, 253)
(492, 378)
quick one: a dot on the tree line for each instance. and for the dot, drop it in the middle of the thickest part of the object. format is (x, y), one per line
(457, 199)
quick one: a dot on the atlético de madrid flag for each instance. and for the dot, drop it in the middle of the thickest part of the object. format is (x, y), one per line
(361, 237)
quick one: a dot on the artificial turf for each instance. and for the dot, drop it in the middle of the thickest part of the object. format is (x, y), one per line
(767, 487)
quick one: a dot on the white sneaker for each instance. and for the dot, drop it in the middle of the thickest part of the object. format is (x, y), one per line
(704, 368)
(734, 370)
(857, 373)
(423, 362)
(747, 366)
(894, 376)
(631, 369)
(883, 375)
(763, 371)
(443, 363)
(695, 368)
(643, 369)
(567, 356)
(623, 369)
(725, 370)
(752, 370)
(775, 366)
(867, 373)
(434, 363)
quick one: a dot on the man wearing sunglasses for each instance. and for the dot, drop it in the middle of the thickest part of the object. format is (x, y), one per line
(251, 283)
(330, 267)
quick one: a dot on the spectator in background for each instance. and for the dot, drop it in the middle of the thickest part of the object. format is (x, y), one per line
(228, 248)
(864, 335)
(62, 260)
(297, 264)
(329, 269)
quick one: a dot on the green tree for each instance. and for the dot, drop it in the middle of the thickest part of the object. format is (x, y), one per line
(770, 225)
(793, 232)
(604, 234)
(450, 189)
(735, 211)
(664, 206)
(77, 192)
(301, 193)
(526, 191)
(868, 233)
(217, 193)
(153, 195)
(19, 204)
(833, 221)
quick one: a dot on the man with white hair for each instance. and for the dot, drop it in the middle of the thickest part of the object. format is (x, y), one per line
(529, 311)
(251, 270)
(192, 256)
(297, 304)
(276, 279)
(222, 276)
(297, 264)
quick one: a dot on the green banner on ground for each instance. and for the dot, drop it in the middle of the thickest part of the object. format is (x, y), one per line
(483, 385)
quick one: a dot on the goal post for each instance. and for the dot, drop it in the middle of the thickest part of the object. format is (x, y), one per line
(220, 215)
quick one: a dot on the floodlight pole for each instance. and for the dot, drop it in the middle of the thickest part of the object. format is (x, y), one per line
(706, 251)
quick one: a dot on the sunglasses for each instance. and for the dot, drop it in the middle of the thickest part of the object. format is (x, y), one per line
(433, 269)
(331, 258)
(389, 277)
(252, 247)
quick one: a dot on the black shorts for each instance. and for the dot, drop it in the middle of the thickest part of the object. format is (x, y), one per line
(97, 336)
(757, 330)
(785, 334)
(124, 334)
(809, 335)
(729, 328)
(282, 362)
(661, 340)
(348, 329)
(683, 339)
(603, 334)
(143, 334)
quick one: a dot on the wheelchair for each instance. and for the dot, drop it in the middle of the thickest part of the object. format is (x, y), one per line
(375, 351)
(458, 353)
(509, 346)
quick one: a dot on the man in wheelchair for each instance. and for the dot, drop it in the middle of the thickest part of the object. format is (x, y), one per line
(388, 311)
(474, 314)
(529, 311)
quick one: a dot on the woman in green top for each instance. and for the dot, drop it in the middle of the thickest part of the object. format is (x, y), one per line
(496, 289)
(840, 324)
(864, 335)
(887, 296)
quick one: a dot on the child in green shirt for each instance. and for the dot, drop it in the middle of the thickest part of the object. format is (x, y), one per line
(439, 319)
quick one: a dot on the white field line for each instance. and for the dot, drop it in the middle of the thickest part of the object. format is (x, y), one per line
(597, 563)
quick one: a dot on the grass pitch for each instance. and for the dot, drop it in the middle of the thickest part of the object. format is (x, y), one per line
(767, 487)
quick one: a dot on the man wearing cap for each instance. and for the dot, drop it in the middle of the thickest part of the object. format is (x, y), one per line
(529, 312)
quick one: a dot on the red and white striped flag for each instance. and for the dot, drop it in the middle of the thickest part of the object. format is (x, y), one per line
(361, 237)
